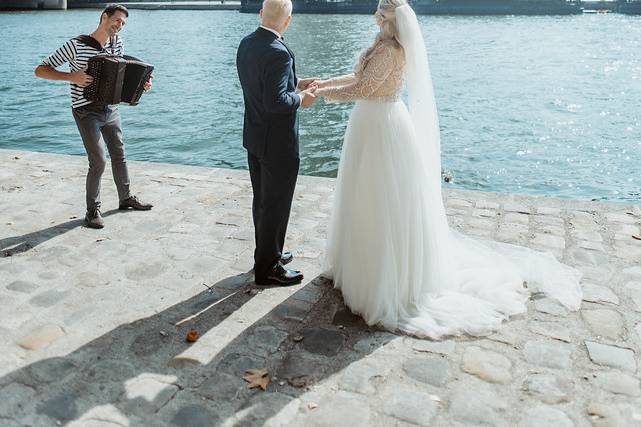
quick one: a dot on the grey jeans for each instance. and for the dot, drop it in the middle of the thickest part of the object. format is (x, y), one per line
(95, 123)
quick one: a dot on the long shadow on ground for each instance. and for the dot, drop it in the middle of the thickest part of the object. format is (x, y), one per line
(10, 246)
(135, 367)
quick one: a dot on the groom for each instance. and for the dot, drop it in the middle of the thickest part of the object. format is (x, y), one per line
(267, 75)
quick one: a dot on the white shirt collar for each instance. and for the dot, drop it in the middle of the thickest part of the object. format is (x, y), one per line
(272, 30)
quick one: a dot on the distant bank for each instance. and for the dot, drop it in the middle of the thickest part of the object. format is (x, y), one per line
(146, 4)
(424, 7)
(463, 7)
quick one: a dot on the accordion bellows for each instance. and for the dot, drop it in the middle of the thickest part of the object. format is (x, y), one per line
(116, 79)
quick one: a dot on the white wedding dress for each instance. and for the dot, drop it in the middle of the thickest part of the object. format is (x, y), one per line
(390, 249)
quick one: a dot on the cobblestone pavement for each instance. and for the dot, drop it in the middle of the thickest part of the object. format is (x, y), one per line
(93, 322)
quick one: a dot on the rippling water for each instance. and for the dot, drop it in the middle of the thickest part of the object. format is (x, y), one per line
(538, 105)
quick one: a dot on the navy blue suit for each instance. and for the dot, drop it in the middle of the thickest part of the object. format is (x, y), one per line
(267, 76)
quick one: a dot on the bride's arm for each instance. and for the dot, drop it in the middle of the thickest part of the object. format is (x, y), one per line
(376, 71)
(337, 81)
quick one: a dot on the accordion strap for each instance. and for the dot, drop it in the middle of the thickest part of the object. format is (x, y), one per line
(91, 42)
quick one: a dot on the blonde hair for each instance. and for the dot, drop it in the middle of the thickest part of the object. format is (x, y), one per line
(275, 12)
(386, 17)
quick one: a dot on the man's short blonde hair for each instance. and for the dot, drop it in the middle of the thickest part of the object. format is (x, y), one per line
(275, 12)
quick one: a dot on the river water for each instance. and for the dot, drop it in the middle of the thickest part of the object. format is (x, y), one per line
(537, 105)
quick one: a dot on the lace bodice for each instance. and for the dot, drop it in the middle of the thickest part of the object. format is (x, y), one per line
(381, 78)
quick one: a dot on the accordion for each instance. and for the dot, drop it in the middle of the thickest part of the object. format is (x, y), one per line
(116, 79)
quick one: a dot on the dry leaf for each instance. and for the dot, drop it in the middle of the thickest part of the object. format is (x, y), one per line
(311, 406)
(163, 333)
(192, 335)
(298, 338)
(257, 378)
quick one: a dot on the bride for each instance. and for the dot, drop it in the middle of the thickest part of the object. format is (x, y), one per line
(390, 249)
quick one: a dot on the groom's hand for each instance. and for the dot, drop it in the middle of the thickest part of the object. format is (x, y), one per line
(303, 84)
(308, 97)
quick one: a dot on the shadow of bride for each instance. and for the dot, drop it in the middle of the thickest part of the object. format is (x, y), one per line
(10, 246)
(146, 368)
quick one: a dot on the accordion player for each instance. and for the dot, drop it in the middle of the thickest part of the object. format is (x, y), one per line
(116, 79)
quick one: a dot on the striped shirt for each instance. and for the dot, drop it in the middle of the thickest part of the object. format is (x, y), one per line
(76, 53)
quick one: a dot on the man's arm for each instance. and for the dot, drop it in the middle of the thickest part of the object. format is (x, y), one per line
(276, 97)
(47, 70)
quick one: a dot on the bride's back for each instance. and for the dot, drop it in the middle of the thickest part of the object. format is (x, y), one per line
(383, 67)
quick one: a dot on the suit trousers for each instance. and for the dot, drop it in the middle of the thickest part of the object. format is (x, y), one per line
(273, 183)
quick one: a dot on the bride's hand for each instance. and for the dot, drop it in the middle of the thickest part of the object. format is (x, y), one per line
(304, 84)
(320, 83)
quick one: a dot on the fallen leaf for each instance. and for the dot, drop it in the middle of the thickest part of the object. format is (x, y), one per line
(163, 333)
(192, 335)
(298, 338)
(636, 237)
(312, 405)
(257, 378)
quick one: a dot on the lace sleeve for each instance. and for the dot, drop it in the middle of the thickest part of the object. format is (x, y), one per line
(376, 71)
(341, 80)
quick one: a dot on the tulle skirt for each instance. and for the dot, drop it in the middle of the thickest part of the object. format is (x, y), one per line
(395, 259)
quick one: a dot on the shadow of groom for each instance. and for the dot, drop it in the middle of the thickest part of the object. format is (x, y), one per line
(144, 373)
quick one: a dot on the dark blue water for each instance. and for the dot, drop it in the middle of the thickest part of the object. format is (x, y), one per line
(538, 105)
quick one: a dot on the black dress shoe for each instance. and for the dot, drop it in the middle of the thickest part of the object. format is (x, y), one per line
(286, 258)
(280, 276)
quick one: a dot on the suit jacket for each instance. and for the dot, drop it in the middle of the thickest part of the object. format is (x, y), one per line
(267, 74)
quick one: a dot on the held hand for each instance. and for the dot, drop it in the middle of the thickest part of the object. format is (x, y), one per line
(303, 84)
(308, 97)
(147, 86)
(80, 78)
(319, 83)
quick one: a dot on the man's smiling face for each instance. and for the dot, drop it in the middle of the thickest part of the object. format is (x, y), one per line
(114, 23)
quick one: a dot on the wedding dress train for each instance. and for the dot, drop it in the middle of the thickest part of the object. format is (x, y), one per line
(390, 249)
